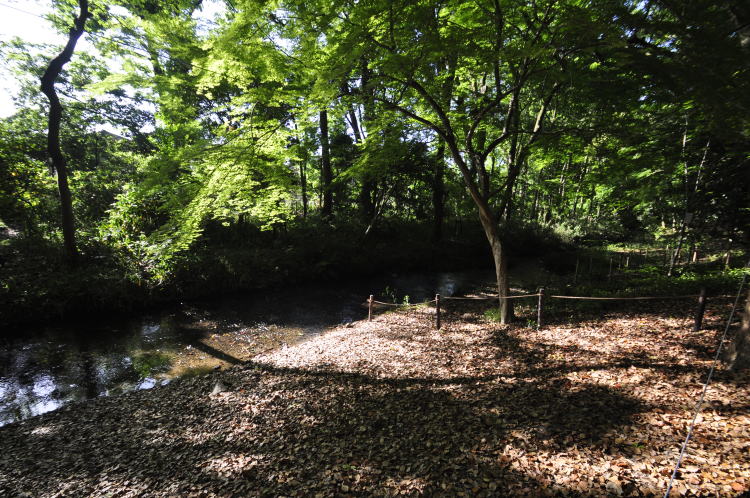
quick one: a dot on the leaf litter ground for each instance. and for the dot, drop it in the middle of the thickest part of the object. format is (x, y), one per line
(395, 407)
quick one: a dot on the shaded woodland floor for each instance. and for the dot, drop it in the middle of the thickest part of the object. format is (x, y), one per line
(394, 407)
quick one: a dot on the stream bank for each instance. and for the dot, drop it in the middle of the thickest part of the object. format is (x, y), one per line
(45, 368)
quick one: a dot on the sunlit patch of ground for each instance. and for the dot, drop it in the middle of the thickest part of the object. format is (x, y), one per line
(217, 349)
(394, 406)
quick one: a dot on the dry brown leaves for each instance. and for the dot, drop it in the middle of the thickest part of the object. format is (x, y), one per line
(395, 407)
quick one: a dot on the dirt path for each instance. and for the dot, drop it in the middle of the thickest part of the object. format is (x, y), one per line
(396, 407)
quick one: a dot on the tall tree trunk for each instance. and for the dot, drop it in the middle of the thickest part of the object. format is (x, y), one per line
(302, 172)
(447, 65)
(303, 185)
(354, 122)
(365, 202)
(53, 130)
(365, 199)
(492, 232)
(579, 183)
(367, 194)
(738, 354)
(325, 167)
(563, 180)
(500, 258)
(438, 192)
(509, 206)
(676, 254)
(690, 192)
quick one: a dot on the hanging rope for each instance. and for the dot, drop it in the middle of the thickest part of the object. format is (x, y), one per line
(699, 405)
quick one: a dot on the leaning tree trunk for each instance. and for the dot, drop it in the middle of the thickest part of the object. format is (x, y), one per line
(500, 258)
(491, 229)
(738, 353)
(53, 134)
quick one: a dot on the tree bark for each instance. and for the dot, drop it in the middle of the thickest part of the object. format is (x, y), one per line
(500, 258)
(326, 173)
(302, 171)
(303, 185)
(676, 254)
(367, 193)
(492, 232)
(365, 201)
(738, 354)
(53, 130)
(438, 192)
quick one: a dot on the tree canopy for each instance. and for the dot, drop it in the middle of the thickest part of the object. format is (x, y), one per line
(188, 130)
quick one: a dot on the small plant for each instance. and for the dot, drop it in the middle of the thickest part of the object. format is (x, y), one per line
(390, 293)
(406, 302)
(492, 314)
(148, 363)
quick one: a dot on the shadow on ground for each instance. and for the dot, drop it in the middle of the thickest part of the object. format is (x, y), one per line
(304, 432)
(317, 431)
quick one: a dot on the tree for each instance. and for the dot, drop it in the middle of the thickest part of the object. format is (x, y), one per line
(738, 354)
(53, 133)
(326, 173)
(482, 76)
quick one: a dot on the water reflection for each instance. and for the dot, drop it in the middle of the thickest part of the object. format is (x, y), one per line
(47, 368)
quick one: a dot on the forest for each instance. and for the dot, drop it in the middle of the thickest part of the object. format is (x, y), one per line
(178, 150)
(285, 141)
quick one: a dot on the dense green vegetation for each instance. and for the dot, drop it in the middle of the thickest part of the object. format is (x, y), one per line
(285, 141)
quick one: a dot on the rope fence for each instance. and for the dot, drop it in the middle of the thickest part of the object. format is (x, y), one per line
(488, 298)
(404, 304)
(593, 298)
(697, 325)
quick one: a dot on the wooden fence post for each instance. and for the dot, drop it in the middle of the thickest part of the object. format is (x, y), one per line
(539, 308)
(609, 275)
(437, 311)
(369, 309)
(698, 325)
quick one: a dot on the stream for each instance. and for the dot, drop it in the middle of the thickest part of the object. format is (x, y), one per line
(42, 369)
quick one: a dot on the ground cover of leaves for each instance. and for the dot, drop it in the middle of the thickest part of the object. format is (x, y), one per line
(393, 406)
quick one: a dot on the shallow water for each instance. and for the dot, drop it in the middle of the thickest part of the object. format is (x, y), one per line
(46, 368)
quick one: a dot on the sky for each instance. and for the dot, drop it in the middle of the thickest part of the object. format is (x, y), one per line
(21, 18)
